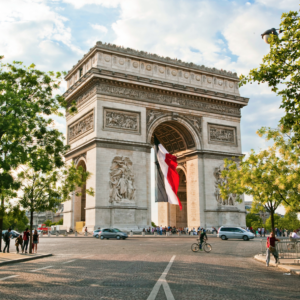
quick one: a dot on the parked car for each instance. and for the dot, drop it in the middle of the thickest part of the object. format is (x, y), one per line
(97, 233)
(108, 233)
(14, 233)
(225, 233)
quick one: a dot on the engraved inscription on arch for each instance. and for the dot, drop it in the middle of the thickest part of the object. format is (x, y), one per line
(218, 134)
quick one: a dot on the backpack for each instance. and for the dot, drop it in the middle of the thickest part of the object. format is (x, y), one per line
(6, 236)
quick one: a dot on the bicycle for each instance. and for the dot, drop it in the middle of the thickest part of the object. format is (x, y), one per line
(205, 246)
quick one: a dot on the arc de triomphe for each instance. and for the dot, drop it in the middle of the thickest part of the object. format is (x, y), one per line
(123, 97)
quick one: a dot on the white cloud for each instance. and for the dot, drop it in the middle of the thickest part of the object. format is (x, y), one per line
(80, 3)
(100, 28)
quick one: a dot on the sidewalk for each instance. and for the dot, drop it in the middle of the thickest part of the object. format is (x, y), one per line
(10, 258)
(287, 265)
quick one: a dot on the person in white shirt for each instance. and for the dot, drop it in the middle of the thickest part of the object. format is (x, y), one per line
(295, 235)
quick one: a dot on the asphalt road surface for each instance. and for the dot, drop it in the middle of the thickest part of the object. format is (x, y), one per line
(145, 268)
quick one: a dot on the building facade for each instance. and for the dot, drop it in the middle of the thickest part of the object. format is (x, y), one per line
(124, 97)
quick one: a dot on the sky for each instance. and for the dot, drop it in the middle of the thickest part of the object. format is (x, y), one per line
(225, 34)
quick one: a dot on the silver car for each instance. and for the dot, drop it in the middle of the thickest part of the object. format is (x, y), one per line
(234, 233)
(108, 233)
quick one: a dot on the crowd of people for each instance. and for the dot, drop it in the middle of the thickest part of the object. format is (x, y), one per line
(183, 230)
(22, 241)
(279, 232)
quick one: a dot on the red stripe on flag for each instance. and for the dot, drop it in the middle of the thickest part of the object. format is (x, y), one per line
(173, 176)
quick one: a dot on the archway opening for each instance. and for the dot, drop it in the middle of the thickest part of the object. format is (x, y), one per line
(181, 215)
(80, 201)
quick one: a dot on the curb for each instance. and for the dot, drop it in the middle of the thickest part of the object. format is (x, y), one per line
(286, 268)
(23, 259)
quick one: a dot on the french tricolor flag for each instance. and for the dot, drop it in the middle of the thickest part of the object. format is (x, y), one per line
(167, 178)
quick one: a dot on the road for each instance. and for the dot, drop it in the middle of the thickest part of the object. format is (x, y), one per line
(87, 268)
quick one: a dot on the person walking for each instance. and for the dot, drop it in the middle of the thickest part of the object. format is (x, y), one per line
(263, 231)
(160, 230)
(19, 242)
(26, 235)
(271, 248)
(6, 239)
(35, 241)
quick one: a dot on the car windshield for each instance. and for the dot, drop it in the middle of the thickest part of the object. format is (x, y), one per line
(117, 230)
(241, 229)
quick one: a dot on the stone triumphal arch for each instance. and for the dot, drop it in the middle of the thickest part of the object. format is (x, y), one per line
(124, 97)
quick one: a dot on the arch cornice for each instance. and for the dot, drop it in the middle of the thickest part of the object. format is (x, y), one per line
(178, 118)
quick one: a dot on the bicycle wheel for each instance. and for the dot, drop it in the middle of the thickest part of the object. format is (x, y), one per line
(207, 247)
(195, 247)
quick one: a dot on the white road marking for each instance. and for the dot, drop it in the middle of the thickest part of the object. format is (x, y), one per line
(66, 262)
(162, 281)
(41, 269)
(9, 277)
(88, 256)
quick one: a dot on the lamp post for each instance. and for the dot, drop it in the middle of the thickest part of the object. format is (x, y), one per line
(265, 36)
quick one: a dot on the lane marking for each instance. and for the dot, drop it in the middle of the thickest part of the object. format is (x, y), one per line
(66, 262)
(9, 277)
(41, 269)
(88, 256)
(162, 281)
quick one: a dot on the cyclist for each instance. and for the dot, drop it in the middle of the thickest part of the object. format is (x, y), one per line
(202, 235)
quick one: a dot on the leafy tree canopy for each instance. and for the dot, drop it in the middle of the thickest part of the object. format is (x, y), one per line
(253, 220)
(280, 69)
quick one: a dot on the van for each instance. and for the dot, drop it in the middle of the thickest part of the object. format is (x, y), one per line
(226, 233)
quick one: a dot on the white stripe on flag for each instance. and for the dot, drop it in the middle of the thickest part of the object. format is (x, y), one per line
(161, 156)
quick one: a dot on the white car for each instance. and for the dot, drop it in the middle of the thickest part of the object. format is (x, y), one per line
(226, 232)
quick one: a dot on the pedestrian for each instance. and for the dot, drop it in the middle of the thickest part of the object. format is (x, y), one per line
(26, 235)
(160, 230)
(35, 241)
(263, 231)
(202, 235)
(19, 242)
(271, 248)
(85, 229)
(6, 239)
(258, 230)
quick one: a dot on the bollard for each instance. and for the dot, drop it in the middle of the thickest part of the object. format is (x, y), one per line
(131, 233)
(75, 233)
(143, 233)
(48, 234)
(179, 233)
(85, 234)
(56, 233)
(65, 234)
(155, 233)
(191, 233)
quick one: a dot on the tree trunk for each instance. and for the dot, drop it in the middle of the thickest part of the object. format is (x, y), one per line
(1, 221)
(31, 226)
(272, 221)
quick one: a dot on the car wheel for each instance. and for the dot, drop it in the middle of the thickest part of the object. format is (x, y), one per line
(245, 238)
(97, 236)
(223, 237)
(102, 237)
(118, 237)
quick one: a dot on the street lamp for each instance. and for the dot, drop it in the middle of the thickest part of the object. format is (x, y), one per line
(265, 36)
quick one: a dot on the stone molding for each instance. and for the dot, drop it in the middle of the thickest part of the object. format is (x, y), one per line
(83, 126)
(143, 54)
(166, 98)
(118, 207)
(221, 134)
(119, 120)
(77, 158)
(155, 82)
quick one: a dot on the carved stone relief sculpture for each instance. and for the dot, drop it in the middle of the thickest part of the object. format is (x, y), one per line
(122, 181)
(82, 126)
(120, 120)
(221, 134)
(219, 182)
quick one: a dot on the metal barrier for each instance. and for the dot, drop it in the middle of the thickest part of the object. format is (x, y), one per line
(286, 248)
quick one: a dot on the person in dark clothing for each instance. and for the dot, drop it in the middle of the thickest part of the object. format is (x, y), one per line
(26, 235)
(6, 239)
(19, 242)
(202, 236)
(271, 248)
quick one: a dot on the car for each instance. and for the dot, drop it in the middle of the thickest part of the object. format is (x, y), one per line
(226, 232)
(108, 233)
(14, 234)
(97, 233)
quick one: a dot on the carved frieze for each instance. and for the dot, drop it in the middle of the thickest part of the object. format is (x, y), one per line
(83, 126)
(165, 98)
(122, 181)
(121, 120)
(218, 134)
(220, 182)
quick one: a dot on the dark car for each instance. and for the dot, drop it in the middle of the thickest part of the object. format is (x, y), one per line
(108, 233)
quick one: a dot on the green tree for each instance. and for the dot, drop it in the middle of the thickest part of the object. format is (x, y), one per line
(26, 105)
(253, 220)
(45, 191)
(290, 221)
(48, 223)
(277, 222)
(15, 218)
(280, 69)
